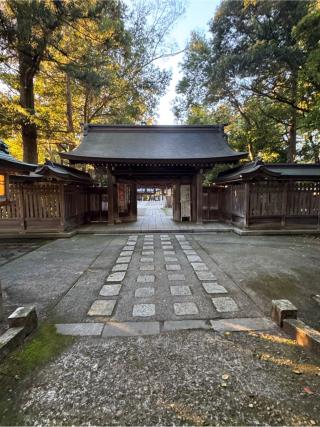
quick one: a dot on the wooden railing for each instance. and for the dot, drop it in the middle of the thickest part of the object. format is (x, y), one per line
(43, 206)
(264, 204)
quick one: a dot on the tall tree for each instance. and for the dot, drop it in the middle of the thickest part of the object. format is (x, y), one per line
(27, 30)
(253, 51)
(99, 65)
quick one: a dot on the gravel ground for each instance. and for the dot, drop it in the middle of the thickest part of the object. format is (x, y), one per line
(12, 250)
(182, 378)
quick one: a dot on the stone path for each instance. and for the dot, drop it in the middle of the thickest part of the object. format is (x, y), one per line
(165, 282)
(152, 218)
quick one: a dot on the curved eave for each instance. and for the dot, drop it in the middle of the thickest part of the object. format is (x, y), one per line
(248, 176)
(12, 166)
(48, 173)
(80, 159)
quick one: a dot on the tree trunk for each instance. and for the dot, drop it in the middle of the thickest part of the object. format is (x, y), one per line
(28, 127)
(315, 148)
(69, 111)
(251, 151)
(292, 139)
(86, 106)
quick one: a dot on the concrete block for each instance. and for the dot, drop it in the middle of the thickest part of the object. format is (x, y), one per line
(283, 309)
(24, 317)
(11, 339)
(303, 334)
(80, 329)
(243, 325)
(130, 329)
(178, 325)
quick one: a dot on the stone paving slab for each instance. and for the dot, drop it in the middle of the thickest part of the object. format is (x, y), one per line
(190, 252)
(144, 310)
(123, 259)
(130, 329)
(144, 292)
(80, 329)
(146, 278)
(170, 259)
(178, 325)
(205, 275)
(102, 308)
(120, 267)
(173, 267)
(147, 259)
(225, 304)
(180, 290)
(214, 288)
(185, 308)
(194, 258)
(199, 266)
(126, 253)
(147, 267)
(243, 324)
(110, 290)
(116, 277)
(146, 253)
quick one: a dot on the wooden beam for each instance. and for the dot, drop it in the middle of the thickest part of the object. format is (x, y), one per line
(110, 197)
(176, 202)
(246, 204)
(199, 197)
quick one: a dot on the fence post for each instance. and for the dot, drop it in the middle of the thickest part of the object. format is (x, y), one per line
(62, 205)
(246, 204)
(284, 204)
(22, 207)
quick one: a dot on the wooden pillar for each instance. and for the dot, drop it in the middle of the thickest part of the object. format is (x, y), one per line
(115, 201)
(133, 201)
(176, 202)
(194, 199)
(62, 206)
(199, 191)
(284, 204)
(110, 197)
(246, 204)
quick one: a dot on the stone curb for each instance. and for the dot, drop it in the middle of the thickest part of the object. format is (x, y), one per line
(304, 335)
(236, 230)
(129, 329)
(21, 323)
(285, 314)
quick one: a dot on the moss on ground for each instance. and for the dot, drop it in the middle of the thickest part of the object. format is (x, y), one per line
(41, 348)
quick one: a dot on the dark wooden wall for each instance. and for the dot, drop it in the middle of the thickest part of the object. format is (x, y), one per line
(264, 204)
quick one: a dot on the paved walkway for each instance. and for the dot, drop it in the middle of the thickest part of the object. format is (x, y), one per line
(163, 282)
(152, 217)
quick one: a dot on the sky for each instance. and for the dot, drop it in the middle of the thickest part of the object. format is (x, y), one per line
(196, 17)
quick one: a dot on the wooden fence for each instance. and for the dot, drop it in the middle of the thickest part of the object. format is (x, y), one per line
(264, 204)
(48, 206)
(43, 206)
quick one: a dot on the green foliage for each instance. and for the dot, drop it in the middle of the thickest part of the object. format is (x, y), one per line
(262, 62)
(94, 62)
(211, 176)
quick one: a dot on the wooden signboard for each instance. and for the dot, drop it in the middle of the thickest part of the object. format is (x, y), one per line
(185, 200)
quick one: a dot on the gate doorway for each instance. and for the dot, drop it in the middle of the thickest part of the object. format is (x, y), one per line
(154, 203)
